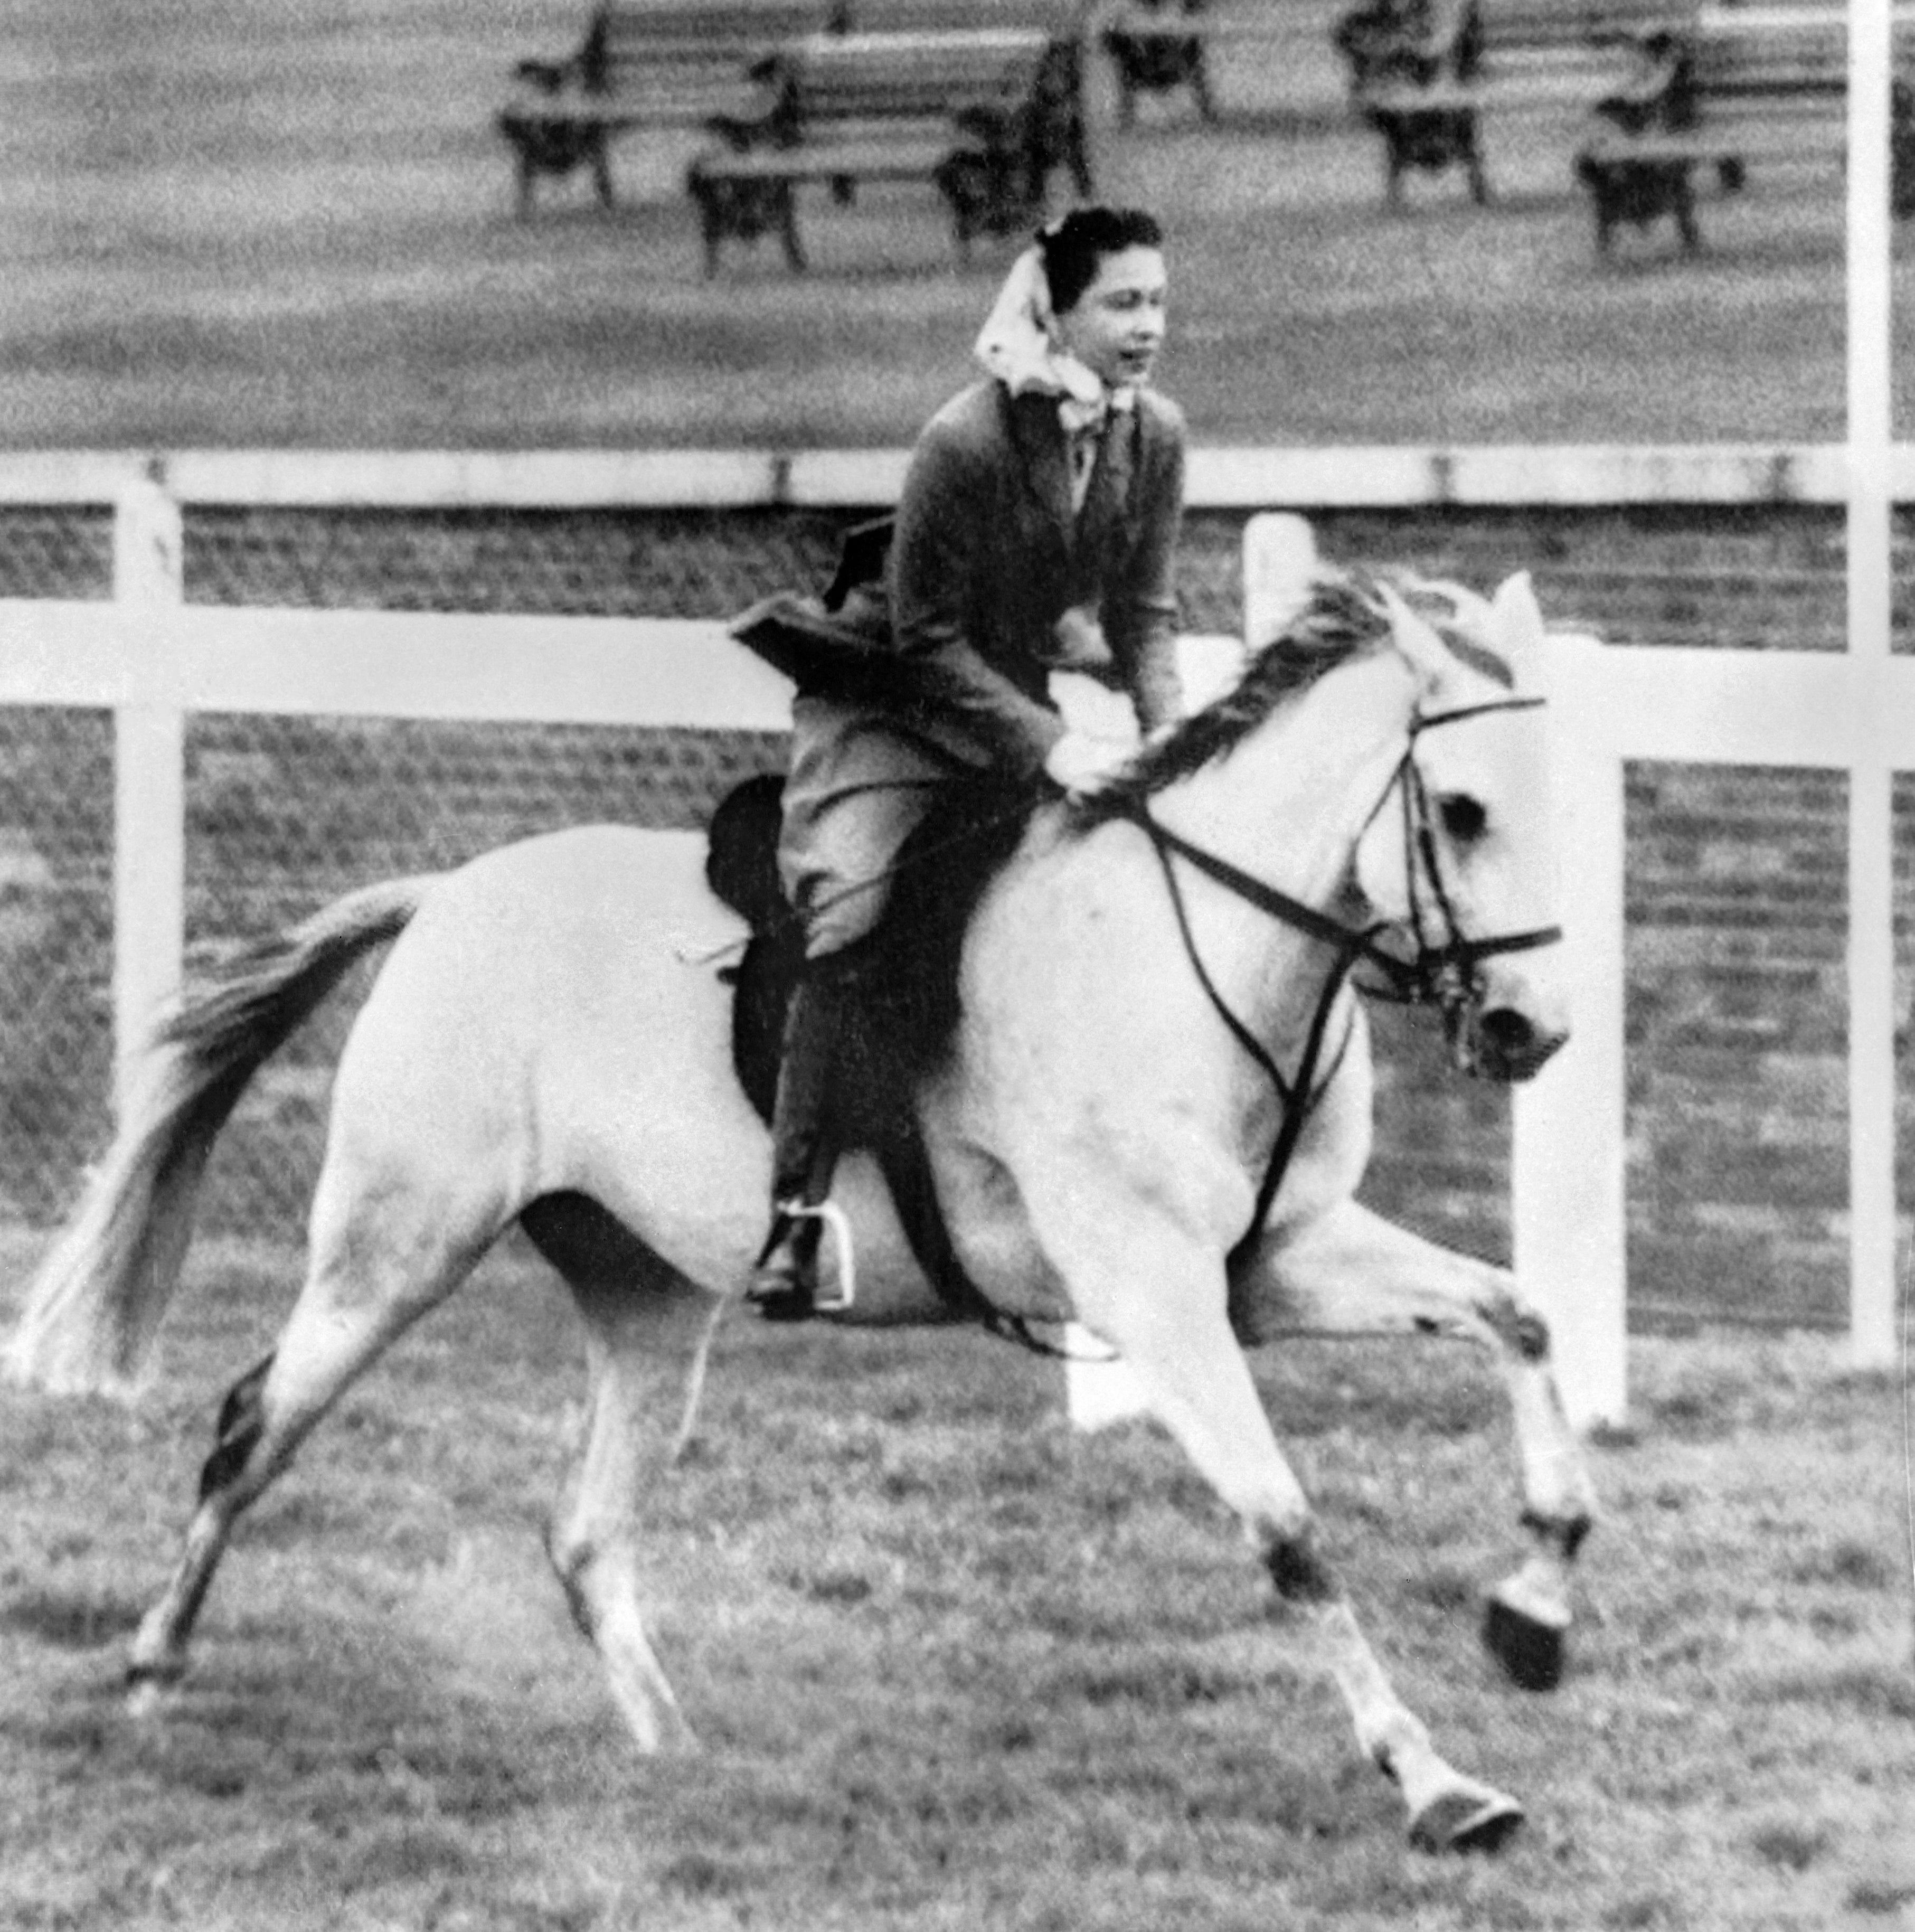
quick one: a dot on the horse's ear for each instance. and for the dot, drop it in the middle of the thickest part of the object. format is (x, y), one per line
(1280, 575)
(1514, 629)
(1429, 656)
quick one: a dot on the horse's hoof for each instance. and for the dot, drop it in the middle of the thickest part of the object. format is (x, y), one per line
(1474, 1818)
(148, 1679)
(148, 1686)
(1529, 1650)
(162, 1671)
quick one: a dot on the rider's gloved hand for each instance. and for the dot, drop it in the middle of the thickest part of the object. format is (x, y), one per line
(1079, 764)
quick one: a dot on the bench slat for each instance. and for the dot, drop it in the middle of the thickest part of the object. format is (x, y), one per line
(929, 76)
(905, 159)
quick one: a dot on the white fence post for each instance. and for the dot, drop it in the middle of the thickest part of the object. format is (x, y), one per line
(1871, 1123)
(1871, 1216)
(1567, 1206)
(149, 786)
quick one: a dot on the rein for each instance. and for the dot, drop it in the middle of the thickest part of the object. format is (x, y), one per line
(1443, 972)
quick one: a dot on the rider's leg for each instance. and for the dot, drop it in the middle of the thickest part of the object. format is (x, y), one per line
(804, 1138)
(855, 792)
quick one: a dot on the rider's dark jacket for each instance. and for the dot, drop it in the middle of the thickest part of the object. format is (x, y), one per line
(988, 554)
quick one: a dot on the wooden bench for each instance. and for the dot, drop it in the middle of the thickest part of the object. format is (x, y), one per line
(1064, 24)
(670, 64)
(983, 116)
(1423, 73)
(685, 63)
(1747, 88)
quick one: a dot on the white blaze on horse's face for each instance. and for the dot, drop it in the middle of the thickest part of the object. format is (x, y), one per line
(1489, 870)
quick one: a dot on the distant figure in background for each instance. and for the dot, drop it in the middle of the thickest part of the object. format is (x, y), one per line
(1659, 95)
(1152, 58)
(1411, 43)
(1036, 531)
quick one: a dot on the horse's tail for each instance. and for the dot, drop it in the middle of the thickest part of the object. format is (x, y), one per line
(92, 1309)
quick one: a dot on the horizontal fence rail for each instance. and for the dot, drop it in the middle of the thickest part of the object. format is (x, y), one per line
(143, 655)
(1354, 477)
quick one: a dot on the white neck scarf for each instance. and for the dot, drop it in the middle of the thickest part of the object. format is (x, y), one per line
(1018, 346)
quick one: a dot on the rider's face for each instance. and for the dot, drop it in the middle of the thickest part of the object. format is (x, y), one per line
(1115, 327)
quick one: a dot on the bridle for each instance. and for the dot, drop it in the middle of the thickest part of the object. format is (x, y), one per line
(1443, 971)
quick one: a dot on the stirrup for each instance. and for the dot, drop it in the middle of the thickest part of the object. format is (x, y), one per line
(838, 1223)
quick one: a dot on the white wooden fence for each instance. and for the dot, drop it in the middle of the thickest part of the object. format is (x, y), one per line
(151, 661)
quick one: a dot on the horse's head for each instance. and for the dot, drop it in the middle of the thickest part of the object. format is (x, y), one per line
(1459, 857)
(1452, 865)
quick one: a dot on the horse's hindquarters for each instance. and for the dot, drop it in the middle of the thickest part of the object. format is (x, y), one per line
(554, 1022)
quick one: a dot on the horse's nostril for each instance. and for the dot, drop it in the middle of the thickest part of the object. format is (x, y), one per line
(1510, 1045)
(1506, 1030)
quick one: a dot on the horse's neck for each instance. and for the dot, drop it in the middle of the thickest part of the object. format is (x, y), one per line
(1288, 803)
(1287, 806)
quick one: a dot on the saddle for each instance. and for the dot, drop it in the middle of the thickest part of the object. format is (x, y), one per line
(907, 1003)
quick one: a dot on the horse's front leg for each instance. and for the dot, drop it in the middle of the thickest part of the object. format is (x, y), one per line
(1145, 1271)
(1350, 1272)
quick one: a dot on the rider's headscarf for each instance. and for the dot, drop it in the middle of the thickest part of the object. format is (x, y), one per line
(1018, 345)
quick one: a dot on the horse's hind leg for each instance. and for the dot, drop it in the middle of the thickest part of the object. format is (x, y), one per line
(646, 1331)
(1354, 1272)
(380, 1258)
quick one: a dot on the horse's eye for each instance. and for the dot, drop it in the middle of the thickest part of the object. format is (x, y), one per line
(1463, 818)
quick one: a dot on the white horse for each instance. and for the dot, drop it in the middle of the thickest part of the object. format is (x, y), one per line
(1136, 984)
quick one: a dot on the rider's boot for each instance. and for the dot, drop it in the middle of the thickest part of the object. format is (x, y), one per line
(804, 1150)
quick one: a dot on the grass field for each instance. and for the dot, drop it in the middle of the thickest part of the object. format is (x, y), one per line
(241, 223)
(953, 1665)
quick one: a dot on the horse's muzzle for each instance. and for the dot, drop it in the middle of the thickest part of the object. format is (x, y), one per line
(1502, 1044)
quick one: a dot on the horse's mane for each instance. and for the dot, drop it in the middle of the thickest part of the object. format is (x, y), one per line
(1346, 618)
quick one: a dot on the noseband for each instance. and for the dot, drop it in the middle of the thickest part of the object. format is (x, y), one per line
(1443, 972)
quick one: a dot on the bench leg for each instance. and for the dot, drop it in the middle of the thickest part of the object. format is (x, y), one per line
(788, 229)
(707, 196)
(526, 173)
(1080, 162)
(602, 170)
(959, 180)
(1685, 214)
(1472, 165)
(1200, 84)
(1393, 173)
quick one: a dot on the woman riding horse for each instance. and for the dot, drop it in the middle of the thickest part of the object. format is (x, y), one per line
(1035, 532)
(1152, 1118)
